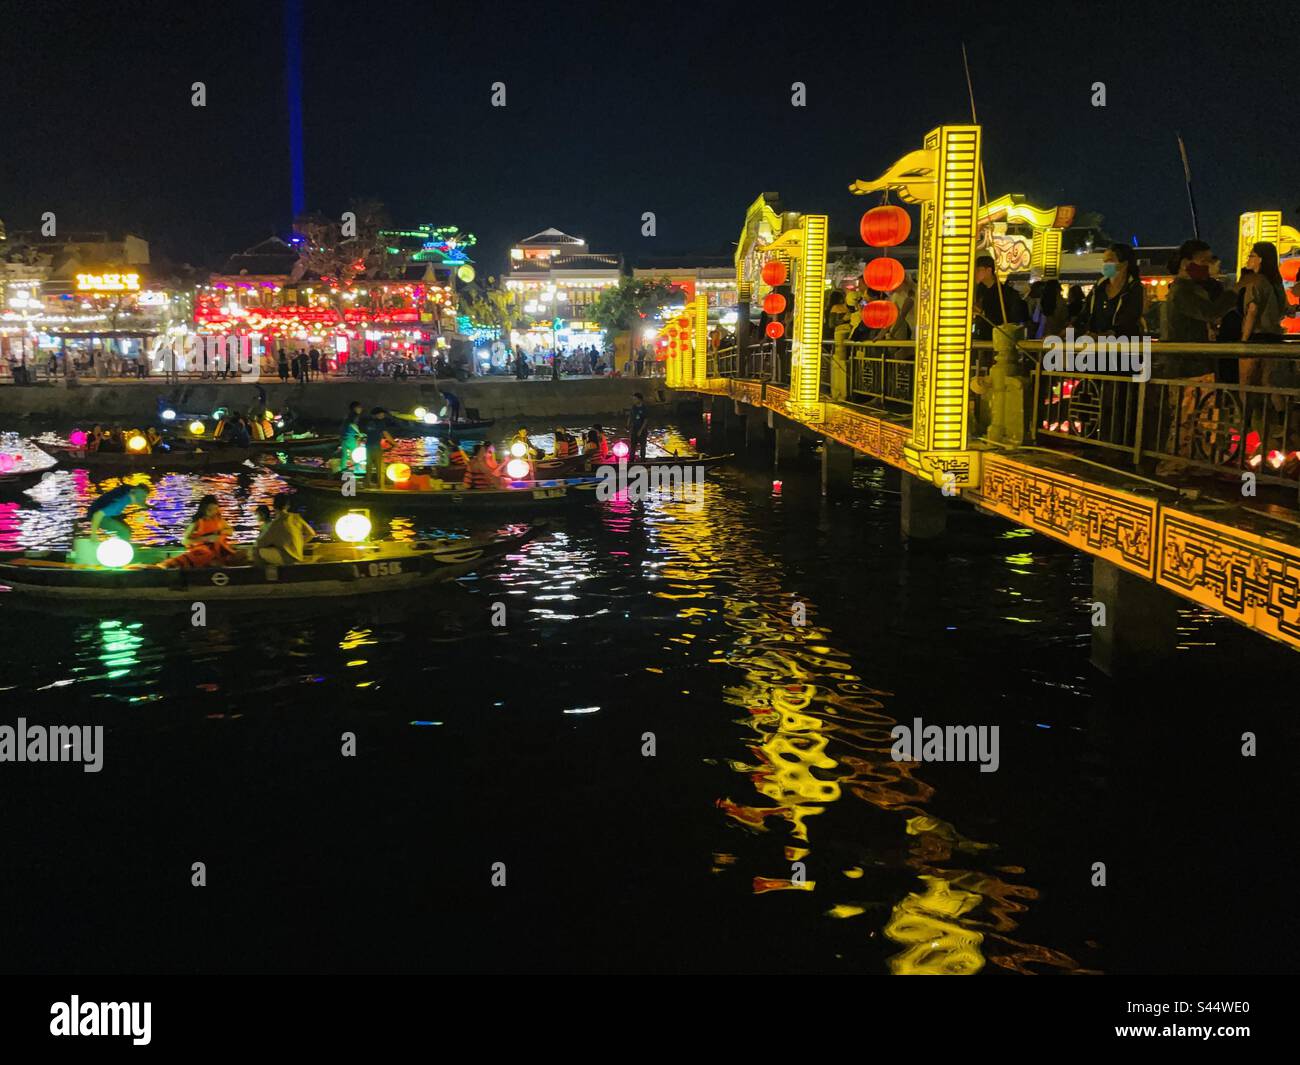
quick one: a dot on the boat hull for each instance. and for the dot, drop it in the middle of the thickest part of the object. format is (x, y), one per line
(339, 570)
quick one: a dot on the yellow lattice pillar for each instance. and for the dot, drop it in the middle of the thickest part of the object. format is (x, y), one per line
(1255, 226)
(809, 304)
(700, 328)
(943, 178)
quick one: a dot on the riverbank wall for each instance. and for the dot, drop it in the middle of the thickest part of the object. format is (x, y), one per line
(326, 401)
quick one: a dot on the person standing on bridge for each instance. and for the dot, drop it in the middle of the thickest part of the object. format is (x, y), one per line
(1114, 306)
(991, 297)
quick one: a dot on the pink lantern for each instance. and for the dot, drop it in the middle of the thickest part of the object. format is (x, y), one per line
(776, 488)
(620, 450)
(6, 462)
(77, 438)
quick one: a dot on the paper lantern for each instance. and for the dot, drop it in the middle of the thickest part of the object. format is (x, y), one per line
(683, 323)
(197, 428)
(773, 273)
(169, 415)
(879, 314)
(883, 274)
(465, 273)
(359, 456)
(430, 418)
(518, 449)
(775, 330)
(353, 527)
(77, 438)
(420, 412)
(399, 472)
(884, 227)
(773, 303)
(7, 462)
(136, 442)
(1290, 269)
(620, 450)
(517, 469)
(114, 553)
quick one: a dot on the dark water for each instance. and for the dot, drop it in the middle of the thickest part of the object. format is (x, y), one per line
(524, 745)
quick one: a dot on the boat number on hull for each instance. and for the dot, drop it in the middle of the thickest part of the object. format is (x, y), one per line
(379, 569)
(220, 579)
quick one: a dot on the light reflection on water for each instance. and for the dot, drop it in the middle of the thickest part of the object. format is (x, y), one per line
(689, 609)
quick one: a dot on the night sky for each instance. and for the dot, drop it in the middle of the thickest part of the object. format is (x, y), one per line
(683, 110)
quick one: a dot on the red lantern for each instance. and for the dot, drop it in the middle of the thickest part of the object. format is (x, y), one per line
(879, 314)
(1290, 269)
(883, 274)
(683, 323)
(774, 273)
(775, 330)
(884, 227)
(773, 303)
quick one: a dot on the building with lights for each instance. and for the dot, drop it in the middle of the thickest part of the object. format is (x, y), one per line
(400, 302)
(84, 300)
(559, 279)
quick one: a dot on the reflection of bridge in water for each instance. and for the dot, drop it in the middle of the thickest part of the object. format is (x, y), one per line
(1184, 483)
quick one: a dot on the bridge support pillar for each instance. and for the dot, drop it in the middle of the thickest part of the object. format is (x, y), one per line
(837, 467)
(923, 515)
(1135, 622)
(787, 444)
(755, 427)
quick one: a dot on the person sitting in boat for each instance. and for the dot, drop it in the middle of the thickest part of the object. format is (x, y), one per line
(110, 441)
(565, 445)
(154, 439)
(595, 447)
(284, 538)
(105, 513)
(207, 540)
(456, 456)
(533, 453)
(94, 438)
(237, 430)
(482, 471)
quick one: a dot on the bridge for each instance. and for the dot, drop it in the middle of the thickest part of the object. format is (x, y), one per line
(1181, 486)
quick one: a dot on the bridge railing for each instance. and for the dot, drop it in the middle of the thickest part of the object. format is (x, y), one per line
(1192, 412)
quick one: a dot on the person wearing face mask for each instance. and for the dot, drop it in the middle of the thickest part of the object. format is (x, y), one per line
(1114, 306)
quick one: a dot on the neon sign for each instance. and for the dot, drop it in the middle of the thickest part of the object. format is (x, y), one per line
(108, 282)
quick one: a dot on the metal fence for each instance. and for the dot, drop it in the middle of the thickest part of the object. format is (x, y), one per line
(1192, 413)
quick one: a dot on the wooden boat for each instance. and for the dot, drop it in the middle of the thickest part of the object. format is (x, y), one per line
(176, 458)
(578, 465)
(331, 570)
(32, 464)
(410, 425)
(307, 442)
(530, 496)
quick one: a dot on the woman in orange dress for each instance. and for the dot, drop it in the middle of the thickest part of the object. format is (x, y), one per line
(207, 540)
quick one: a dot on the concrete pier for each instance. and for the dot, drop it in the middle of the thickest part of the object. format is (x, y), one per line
(1134, 622)
(924, 514)
(837, 467)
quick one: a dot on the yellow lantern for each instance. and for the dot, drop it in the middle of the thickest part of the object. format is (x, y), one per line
(197, 428)
(399, 472)
(353, 527)
(136, 442)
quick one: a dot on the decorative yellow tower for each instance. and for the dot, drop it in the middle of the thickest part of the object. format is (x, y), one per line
(943, 178)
